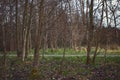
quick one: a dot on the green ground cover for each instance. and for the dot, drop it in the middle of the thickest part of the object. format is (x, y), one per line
(52, 68)
(69, 51)
(72, 68)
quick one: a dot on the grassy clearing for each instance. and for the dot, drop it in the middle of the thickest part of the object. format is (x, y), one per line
(69, 51)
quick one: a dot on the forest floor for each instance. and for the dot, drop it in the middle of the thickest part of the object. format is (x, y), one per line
(57, 68)
(68, 55)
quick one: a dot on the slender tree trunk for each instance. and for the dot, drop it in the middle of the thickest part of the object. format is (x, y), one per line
(25, 29)
(95, 53)
(38, 36)
(17, 31)
(106, 11)
(99, 33)
(4, 52)
(62, 61)
(90, 33)
(88, 52)
(28, 30)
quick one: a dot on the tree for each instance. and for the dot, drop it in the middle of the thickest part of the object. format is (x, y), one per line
(28, 34)
(25, 28)
(2, 25)
(38, 35)
(17, 31)
(98, 34)
(90, 30)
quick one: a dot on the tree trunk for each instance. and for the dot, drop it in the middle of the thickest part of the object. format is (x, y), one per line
(17, 31)
(99, 34)
(90, 32)
(28, 31)
(95, 53)
(38, 36)
(4, 52)
(25, 29)
(88, 53)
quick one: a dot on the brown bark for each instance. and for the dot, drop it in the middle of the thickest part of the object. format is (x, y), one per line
(106, 11)
(38, 36)
(4, 52)
(95, 53)
(17, 31)
(25, 28)
(28, 31)
(97, 38)
(90, 33)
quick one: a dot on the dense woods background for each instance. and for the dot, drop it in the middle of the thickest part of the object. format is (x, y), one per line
(27, 25)
(32, 25)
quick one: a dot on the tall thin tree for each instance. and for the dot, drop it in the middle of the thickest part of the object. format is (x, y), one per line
(38, 35)
(90, 32)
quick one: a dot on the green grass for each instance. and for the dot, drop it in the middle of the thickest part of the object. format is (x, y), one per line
(82, 51)
(82, 59)
(70, 51)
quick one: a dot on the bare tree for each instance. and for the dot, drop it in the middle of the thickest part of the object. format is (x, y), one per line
(17, 30)
(98, 34)
(2, 23)
(28, 34)
(90, 30)
(25, 28)
(38, 35)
